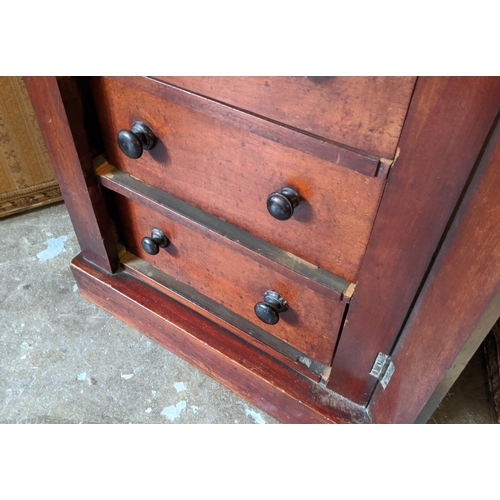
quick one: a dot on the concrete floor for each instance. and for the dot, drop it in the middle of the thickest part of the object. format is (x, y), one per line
(64, 360)
(469, 400)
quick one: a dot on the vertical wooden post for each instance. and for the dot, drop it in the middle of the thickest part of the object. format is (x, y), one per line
(458, 305)
(62, 127)
(445, 130)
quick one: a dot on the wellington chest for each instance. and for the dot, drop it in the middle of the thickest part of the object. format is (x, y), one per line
(327, 247)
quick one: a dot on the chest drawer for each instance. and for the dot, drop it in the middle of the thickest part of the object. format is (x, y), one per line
(419, 269)
(230, 172)
(365, 113)
(201, 260)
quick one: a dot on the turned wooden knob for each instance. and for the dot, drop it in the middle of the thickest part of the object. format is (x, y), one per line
(157, 240)
(268, 310)
(281, 205)
(132, 142)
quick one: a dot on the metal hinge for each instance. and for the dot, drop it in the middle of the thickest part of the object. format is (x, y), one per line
(383, 368)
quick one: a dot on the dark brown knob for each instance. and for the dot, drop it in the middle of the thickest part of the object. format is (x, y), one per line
(281, 205)
(132, 142)
(268, 310)
(158, 240)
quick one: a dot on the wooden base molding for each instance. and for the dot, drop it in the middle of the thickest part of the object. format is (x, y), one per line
(275, 388)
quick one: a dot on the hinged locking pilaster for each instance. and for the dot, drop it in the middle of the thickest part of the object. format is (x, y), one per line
(383, 368)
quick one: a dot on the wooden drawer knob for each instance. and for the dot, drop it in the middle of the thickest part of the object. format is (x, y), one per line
(158, 240)
(268, 311)
(281, 205)
(132, 142)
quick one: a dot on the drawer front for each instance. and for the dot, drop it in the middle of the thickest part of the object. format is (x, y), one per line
(229, 172)
(233, 280)
(366, 113)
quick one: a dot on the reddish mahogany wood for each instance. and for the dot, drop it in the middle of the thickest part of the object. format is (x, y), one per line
(205, 263)
(463, 282)
(448, 121)
(61, 123)
(298, 270)
(155, 278)
(457, 296)
(468, 349)
(256, 376)
(341, 155)
(229, 172)
(366, 113)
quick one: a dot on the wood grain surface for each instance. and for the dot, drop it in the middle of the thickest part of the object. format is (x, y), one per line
(60, 115)
(366, 113)
(239, 241)
(444, 132)
(453, 314)
(340, 154)
(229, 172)
(233, 280)
(256, 376)
(222, 316)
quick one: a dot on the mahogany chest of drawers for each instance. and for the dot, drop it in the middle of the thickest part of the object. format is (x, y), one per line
(324, 246)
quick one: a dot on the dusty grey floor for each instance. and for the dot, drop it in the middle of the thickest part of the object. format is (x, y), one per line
(64, 360)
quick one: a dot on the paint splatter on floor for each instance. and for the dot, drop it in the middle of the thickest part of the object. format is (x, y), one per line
(75, 287)
(257, 417)
(173, 412)
(179, 386)
(127, 376)
(195, 409)
(55, 246)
